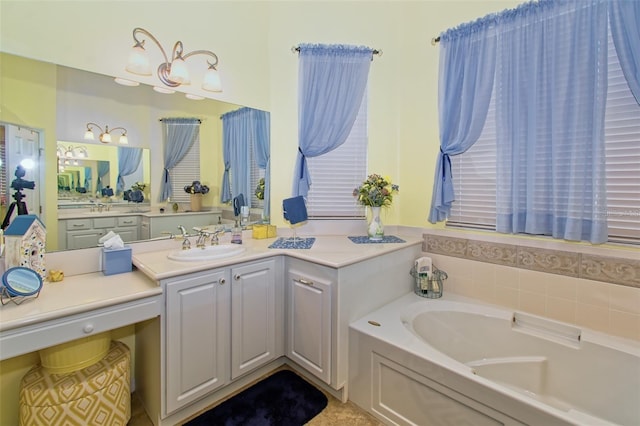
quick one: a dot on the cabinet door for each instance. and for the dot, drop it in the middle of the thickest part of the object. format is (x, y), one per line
(253, 316)
(84, 239)
(127, 234)
(309, 323)
(197, 324)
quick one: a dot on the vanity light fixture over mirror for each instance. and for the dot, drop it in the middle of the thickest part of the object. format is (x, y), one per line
(105, 135)
(173, 72)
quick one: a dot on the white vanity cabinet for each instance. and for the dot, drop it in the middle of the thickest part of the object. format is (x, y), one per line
(219, 325)
(308, 295)
(197, 335)
(81, 233)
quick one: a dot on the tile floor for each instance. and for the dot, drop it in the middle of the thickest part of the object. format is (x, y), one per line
(336, 413)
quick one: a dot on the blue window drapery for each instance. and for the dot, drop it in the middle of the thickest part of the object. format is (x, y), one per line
(467, 69)
(178, 135)
(550, 107)
(241, 128)
(103, 170)
(550, 97)
(332, 81)
(128, 162)
(624, 17)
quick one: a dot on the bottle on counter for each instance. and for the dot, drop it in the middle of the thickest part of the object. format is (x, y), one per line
(236, 234)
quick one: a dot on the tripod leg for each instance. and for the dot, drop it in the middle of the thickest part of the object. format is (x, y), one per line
(22, 208)
(7, 217)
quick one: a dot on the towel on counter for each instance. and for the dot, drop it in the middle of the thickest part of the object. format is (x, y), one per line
(295, 210)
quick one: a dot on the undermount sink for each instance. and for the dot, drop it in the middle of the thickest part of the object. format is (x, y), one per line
(198, 254)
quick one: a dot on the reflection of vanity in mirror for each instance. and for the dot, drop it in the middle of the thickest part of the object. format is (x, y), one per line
(75, 212)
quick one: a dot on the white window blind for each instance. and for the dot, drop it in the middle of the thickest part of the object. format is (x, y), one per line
(474, 177)
(336, 174)
(622, 136)
(185, 172)
(255, 174)
(474, 171)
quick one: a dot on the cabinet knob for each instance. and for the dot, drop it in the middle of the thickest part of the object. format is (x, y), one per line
(237, 277)
(222, 281)
(87, 328)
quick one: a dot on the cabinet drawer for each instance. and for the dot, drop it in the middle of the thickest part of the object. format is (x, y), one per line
(54, 332)
(73, 224)
(104, 222)
(128, 221)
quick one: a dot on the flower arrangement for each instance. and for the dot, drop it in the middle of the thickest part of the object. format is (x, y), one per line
(139, 186)
(196, 188)
(375, 191)
(260, 189)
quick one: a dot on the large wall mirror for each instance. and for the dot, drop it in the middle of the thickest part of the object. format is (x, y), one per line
(77, 97)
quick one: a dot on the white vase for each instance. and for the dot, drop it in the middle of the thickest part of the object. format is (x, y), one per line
(375, 228)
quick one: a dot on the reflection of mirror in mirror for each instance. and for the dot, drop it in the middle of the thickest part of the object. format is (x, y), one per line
(86, 177)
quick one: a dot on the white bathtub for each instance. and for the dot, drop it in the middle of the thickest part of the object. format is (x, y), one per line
(456, 361)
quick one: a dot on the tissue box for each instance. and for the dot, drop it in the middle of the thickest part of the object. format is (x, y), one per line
(263, 231)
(116, 260)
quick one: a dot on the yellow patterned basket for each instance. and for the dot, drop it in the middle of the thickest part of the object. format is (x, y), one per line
(98, 395)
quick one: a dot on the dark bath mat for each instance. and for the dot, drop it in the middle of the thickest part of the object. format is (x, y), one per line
(282, 399)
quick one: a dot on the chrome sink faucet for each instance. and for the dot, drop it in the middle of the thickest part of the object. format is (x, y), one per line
(186, 244)
(202, 239)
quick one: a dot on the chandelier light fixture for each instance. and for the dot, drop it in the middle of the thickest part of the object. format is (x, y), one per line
(173, 71)
(105, 135)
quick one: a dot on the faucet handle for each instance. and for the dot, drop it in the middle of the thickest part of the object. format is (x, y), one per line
(186, 244)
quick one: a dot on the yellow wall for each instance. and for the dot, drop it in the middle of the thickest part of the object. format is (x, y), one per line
(20, 83)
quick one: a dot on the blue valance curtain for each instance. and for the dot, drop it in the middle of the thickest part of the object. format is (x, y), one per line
(332, 81)
(128, 163)
(551, 65)
(178, 135)
(467, 70)
(624, 17)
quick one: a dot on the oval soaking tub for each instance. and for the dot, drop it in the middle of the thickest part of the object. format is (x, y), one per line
(457, 361)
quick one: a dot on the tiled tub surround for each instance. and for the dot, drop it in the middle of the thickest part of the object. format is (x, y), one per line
(593, 287)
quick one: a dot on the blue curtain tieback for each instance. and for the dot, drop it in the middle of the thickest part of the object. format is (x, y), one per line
(445, 157)
(304, 159)
(166, 175)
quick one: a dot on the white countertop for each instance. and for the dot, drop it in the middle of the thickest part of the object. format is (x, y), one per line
(77, 294)
(87, 214)
(331, 251)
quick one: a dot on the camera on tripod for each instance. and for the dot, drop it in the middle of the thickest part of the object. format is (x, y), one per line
(18, 184)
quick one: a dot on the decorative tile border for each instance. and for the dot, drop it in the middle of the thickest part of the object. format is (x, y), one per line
(570, 263)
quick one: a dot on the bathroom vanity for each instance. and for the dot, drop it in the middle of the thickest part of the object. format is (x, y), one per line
(82, 228)
(227, 322)
(204, 329)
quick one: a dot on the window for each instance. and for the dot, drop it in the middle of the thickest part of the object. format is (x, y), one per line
(335, 174)
(185, 172)
(255, 174)
(475, 172)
